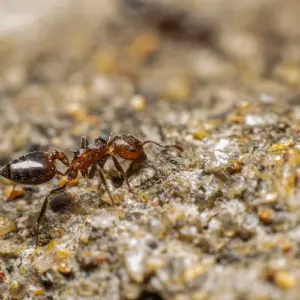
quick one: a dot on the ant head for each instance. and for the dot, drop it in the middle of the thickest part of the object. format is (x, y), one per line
(128, 147)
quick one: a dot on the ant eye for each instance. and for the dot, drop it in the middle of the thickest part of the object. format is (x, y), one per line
(131, 149)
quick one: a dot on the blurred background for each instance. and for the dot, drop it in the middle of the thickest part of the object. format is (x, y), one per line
(95, 67)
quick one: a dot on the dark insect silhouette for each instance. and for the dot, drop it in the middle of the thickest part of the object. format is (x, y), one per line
(35, 168)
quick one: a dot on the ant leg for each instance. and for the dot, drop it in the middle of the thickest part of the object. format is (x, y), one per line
(92, 172)
(44, 208)
(103, 180)
(120, 169)
(130, 168)
(11, 193)
(58, 172)
(84, 142)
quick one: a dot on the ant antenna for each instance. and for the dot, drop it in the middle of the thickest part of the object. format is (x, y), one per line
(164, 146)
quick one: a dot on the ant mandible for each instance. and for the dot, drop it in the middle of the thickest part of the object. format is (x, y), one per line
(38, 167)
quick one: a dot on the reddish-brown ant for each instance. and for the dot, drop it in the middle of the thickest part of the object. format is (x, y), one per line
(39, 167)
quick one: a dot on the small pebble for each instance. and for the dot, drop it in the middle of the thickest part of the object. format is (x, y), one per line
(103, 220)
(138, 102)
(42, 264)
(144, 45)
(2, 277)
(281, 147)
(16, 288)
(193, 272)
(22, 205)
(284, 280)
(38, 292)
(6, 226)
(236, 167)
(64, 269)
(237, 119)
(134, 263)
(266, 215)
(8, 248)
(62, 255)
(285, 245)
(86, 288)
(91, 259)
(155, 263)
(84, 238)
(177, 89)
(201, 134)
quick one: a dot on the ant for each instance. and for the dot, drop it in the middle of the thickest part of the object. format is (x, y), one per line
(38, 167)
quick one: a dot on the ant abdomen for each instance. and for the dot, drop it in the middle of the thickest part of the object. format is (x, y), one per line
(32, 168)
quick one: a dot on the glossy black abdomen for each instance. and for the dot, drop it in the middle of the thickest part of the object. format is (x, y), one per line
(32, 168)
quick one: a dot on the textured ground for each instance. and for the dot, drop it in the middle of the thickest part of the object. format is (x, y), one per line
(221, 220)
